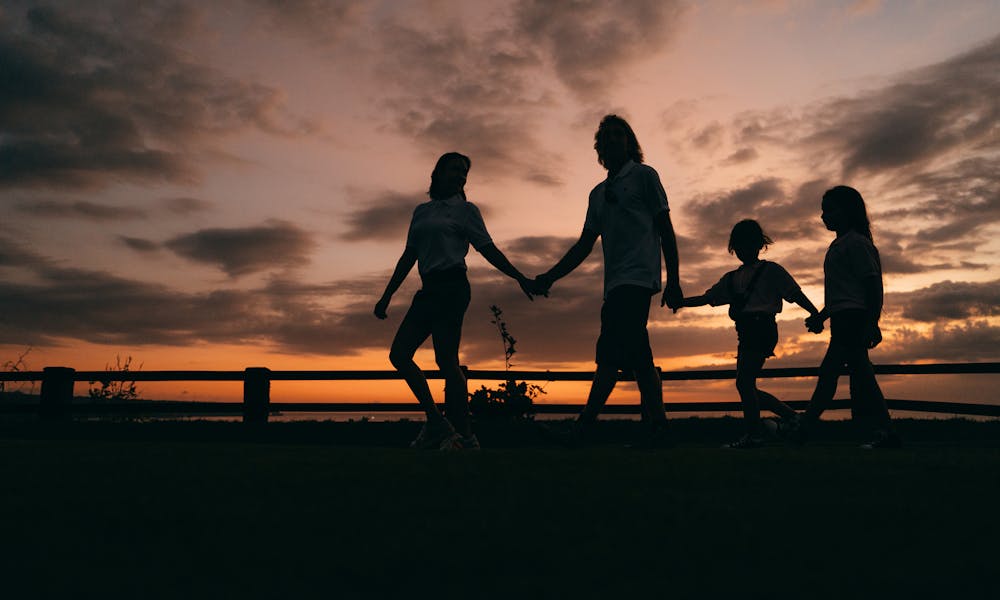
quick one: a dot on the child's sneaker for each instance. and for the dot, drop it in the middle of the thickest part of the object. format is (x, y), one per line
(432, 435)
(745, 442)
(884, 439)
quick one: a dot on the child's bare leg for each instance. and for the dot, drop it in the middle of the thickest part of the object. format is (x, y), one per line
(771, 403)
(747, 370)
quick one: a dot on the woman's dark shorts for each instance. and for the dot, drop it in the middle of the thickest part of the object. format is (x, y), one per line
(624, 340)
(757, 334)
(438, 310)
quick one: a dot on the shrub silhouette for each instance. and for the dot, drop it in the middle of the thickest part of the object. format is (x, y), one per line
(510, 399)
(115, 390)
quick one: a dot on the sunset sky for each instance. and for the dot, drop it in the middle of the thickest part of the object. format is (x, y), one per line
(228, 184)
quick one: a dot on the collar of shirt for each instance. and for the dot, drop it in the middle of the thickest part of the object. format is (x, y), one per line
(628, 166)
(455, 200)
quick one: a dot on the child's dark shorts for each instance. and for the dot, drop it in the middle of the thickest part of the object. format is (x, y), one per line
(757, 334)
(624, 340)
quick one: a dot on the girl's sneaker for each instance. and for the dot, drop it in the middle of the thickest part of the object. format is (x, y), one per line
(745, 442)
(884, 439)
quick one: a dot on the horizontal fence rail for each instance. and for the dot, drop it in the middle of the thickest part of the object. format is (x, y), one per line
(56, 396)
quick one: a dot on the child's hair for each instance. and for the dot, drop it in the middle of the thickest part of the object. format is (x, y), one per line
(748, 231)
(436, 193)
(849, 200)
(634, 150)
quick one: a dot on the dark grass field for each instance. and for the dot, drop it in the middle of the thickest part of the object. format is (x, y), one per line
(342, 510)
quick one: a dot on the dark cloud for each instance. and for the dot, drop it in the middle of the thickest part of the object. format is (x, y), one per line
(783, 216)
(240, 251)
(926, 114)
(590, 42)
(971, 341)
(743, 155)
(485, 92)
(481, 101)
(948, 300)
(323, 22)
(79, 210)
(139, 244)
(91, 96)
(184, 205)
(386, 217)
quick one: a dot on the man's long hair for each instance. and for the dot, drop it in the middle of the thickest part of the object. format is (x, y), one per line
(634, 150)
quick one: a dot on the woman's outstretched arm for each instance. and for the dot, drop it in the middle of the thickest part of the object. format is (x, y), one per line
(403, 267)
(495, 257)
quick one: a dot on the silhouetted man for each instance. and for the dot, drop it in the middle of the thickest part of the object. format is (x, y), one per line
(629, 211)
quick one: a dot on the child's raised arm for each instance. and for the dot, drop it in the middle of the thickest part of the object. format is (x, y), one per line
(692, 301)
(802, 300)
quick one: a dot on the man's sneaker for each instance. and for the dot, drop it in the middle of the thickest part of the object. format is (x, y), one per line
(884, 439)
(745, 442)
(432, 435)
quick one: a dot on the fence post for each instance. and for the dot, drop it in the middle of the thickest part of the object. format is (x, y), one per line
(57, 392)
(256, 394)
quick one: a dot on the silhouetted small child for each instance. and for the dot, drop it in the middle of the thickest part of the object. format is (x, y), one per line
(754, 293)
(852, 272)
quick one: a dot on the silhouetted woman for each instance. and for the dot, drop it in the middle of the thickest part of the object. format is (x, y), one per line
(438, 241)
(852, 274)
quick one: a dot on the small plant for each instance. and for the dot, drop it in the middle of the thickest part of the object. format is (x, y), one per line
(514, 399)
(18, 365)
(117, 390)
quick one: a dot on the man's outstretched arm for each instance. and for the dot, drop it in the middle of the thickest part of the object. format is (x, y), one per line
(577, 253)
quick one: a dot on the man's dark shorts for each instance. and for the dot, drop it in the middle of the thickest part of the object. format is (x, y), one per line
(624, 340)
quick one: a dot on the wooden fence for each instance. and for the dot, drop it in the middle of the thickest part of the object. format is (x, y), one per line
(57, 386)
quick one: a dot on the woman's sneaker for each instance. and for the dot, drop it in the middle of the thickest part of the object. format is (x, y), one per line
(457, 441)
(432, 435)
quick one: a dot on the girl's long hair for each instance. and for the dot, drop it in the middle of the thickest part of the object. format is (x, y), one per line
(435, 192)
(853, 205)
(634, 150)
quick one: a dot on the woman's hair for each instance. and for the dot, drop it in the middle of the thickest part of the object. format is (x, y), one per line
(748, 231)
(851, 203)
(634, 150)
(435, 192)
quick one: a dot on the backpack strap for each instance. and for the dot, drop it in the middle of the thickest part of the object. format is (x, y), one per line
(740, 300)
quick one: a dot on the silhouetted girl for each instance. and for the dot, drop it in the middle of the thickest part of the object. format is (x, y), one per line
(853, 294)
(438, 241)
(754, 292)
